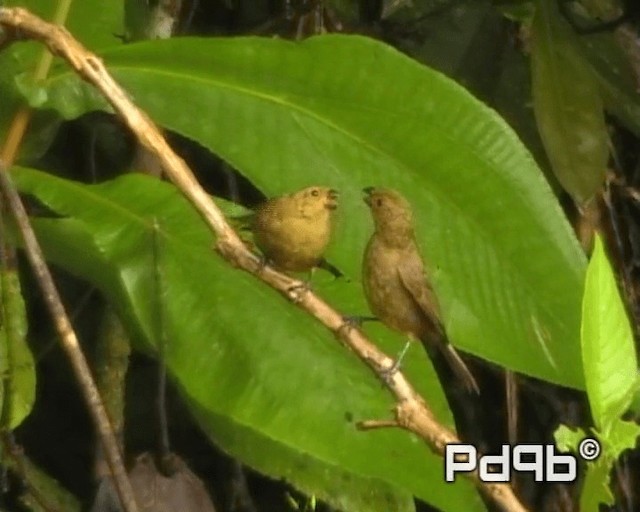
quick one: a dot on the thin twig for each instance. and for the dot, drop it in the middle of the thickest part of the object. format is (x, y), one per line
(377, 424)
(412, 413)
(69, 341)
(164, 445)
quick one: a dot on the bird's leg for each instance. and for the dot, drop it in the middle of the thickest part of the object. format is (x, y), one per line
(305, 285)
(332, 269)
(352, 321)
(388, 374)
(263, 262)
(297, 290)
(311, 273)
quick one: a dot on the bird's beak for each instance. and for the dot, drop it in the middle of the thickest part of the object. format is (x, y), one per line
(367, 195)
(332, 199)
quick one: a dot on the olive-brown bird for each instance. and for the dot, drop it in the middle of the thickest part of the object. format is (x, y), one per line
(395, 284)
(293, 230)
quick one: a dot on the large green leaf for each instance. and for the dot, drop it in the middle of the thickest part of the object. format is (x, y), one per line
(611, 375)
(608, 349)
(351, 112)
(267, 382)
(568, 106)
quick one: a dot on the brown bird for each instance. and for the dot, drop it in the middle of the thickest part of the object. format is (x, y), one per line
(395, 284)
(293, 230)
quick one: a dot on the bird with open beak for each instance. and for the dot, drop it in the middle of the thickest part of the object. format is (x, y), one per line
(294, 230)
(395, 284)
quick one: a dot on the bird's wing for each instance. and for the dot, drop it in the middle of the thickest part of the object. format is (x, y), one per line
(413, 279)
(411, 272)
(270, 215)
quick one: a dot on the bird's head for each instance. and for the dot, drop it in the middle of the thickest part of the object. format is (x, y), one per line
(391, 212)
(312, 201)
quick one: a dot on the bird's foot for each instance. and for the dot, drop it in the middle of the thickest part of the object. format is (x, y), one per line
(350, 322)
(357, 320)
(332, 269)
(298, 290)
(263, 262)
(387, 374)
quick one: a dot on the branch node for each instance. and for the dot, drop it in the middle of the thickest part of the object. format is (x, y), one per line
(297, 291)
(344, 329)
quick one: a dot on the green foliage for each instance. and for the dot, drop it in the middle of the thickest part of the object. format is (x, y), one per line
(57, 497)
(288, 115)
(274, 389)
(93, 25)
(611, 58)
(568, 106)
(235, 369)
(506, 266)
(611, 375)
(595, 488)
(608, 349)
(17, 371)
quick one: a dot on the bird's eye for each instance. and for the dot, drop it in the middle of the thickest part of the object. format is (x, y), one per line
(379, 202)
(315, 192)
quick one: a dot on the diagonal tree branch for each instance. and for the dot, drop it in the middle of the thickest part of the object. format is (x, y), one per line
(412, 413)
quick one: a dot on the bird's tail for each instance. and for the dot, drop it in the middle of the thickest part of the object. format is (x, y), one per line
(460, 369)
